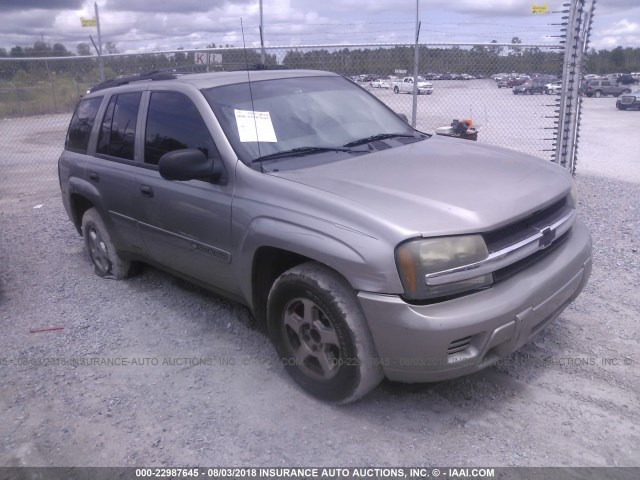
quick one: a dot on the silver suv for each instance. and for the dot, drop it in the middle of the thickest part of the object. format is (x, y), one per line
(369, 248)
(598, 88)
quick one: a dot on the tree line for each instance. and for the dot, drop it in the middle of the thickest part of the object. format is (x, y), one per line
(478, 60)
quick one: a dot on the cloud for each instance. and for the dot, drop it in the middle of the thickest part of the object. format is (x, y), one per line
(170, 6)
(144, 25)
(22, 5)
(621, 33)
(623, 27)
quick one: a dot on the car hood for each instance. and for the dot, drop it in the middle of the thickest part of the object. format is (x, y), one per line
(439, 186)
(425, 84)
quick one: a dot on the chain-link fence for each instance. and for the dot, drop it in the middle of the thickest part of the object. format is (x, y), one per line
(502, 88)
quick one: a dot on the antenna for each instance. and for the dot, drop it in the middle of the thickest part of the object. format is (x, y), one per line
(253, 109)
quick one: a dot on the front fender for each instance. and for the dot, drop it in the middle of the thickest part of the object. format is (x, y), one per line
(366, 262)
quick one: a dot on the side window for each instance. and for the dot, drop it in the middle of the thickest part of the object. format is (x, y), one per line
(174, 123)
(118, 130)
(81, 124)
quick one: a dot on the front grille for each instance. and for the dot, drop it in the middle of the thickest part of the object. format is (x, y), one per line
(528, 226)
(627, 100)
(510, 270)
(459, 345)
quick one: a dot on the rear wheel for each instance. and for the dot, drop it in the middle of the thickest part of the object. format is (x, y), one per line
(321, 334)
(597, 93)
(102, 252)
(396, 90)
(625, 92)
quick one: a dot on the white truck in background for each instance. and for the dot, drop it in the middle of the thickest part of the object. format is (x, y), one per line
(405, 85)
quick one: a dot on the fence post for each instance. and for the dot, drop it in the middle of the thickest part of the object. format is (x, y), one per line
(415, 69)
(53, 88)
(576, 41)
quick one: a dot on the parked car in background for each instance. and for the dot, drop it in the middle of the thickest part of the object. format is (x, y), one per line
(502, 76)
(553, 88)
(406, 86)
(529, 88)
(629, 101)
(598, 88)
(503, 83)
(515, 81)
(380, 83)
(626, 79)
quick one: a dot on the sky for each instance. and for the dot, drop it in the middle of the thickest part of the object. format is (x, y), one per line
(153, 25)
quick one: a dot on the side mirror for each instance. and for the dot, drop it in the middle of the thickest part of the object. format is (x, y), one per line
(403, 117)
(188, 164)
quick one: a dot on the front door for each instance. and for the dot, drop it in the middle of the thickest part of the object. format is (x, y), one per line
(186, 226)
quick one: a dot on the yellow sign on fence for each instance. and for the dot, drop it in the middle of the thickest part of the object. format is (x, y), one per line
(539, 8)
(87, 22)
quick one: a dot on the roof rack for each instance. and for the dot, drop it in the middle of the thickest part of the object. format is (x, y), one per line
(152, 75)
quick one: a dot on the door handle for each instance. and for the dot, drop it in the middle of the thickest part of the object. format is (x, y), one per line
(94, 177)
(146, 190)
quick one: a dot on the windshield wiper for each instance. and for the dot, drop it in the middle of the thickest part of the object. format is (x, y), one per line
(380, 136)
(299, 151)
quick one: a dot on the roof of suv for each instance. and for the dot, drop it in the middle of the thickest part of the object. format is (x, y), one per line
(207, 80)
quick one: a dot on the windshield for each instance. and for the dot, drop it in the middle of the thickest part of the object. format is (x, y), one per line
(297, 114)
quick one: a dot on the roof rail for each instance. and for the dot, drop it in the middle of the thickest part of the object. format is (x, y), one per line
(152, 75)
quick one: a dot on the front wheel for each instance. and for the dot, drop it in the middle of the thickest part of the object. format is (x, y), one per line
(597, 94)
(102, 251)
(396, 90)
(321, 334)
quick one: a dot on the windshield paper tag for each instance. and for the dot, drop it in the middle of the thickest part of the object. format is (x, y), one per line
(255, 126)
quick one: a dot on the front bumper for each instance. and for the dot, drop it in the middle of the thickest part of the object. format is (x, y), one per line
(424, 343)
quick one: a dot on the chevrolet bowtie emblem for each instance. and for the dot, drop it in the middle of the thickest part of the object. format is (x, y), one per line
(547, 238)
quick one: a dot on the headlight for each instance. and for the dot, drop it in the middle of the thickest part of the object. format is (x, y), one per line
(417, 258)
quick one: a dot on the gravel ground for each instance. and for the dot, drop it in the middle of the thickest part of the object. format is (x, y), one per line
(570, 397)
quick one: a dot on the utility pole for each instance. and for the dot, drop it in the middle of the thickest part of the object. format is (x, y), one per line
(261, 36)
(100, 60)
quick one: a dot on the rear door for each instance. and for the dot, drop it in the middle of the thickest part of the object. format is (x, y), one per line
(186, 226)
(113, 166)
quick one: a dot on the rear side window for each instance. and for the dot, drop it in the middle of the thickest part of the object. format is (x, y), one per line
(174, 123)
(81, 124)
(118, 131)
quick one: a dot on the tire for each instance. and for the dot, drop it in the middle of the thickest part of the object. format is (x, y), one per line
(396, 90)
(102, 252)
(597, 93)
(321, 334)
(625, 92)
